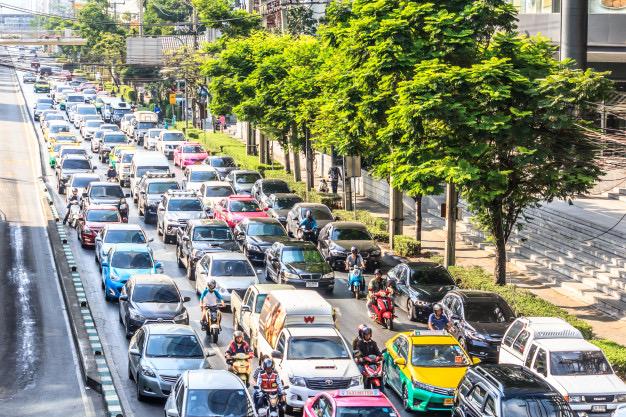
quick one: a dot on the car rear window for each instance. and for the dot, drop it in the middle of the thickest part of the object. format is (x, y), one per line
(76, 164)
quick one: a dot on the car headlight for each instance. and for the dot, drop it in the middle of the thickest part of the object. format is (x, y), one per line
(356, 381)
(423, 386)
(290, 275)
(282, 218)
(421, 303)
(222, 290)
(136, 316)
(620, 398)
(147, 371)
(329, 275)
(297, 381)
(575, 398)
(254, 248)
(181, 317)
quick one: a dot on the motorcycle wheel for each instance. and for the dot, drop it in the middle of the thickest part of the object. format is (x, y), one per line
(214, 335)
(389, 323)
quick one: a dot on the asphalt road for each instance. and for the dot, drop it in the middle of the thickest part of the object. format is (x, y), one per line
(351, 312)
(38, 366)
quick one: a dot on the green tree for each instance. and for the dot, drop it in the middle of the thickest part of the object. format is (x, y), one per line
(300, 20)
(509, 130)
(158, 13)
(226, 17)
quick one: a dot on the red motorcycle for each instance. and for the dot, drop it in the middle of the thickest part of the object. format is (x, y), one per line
(372, 371)
(382, 309)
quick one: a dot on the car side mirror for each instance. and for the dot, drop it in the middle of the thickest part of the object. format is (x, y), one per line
(458, 281)
(127, 195)
(133, 351)
(475, 360)
(161, 208)
(123, 297)
(151, 240)
(171, 412)
(186, 299)
(186, 238)
(204, 273)
(85, 194)
(245, 308)
(93, 169)
(98, 238)
(400, 361)
(455, 318)
(104, 263)
(266, 208)
(276, 354)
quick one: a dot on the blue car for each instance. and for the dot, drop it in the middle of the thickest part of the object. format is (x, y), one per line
(123, 261)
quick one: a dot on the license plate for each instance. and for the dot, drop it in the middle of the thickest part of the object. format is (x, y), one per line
(312, 284)
(448, 401)
(598, 408)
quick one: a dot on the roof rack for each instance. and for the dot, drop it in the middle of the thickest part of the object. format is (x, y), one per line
(159, 174)
(158, 321)
(182, 193)
(419, 332)
(482, 372)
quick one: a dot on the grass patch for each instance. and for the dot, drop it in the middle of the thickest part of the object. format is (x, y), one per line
(376, 225)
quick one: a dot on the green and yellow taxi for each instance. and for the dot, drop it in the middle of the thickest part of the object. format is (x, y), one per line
(41, 86)
(62, 149)
(116, 151)
(424, 368)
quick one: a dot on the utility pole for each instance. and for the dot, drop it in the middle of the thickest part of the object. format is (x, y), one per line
(574, 23)
(140, 16)
(451, 209)
(308, 151)
(396, 214)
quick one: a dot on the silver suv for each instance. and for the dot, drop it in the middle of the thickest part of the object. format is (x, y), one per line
(175, 210)
(159, 352)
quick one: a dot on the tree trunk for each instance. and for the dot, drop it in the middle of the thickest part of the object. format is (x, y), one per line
(287, 160)
(418, 222)
(498, 235)
(297, 175)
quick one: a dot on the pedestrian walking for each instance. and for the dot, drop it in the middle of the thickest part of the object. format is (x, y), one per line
(222, 123)
(334, 175)
(157, 110)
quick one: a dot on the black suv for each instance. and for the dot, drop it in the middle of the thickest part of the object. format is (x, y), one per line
(299, 264)
(262, 189)
(101, 192)
(480, 319)
(150, 190)
(507, 391)
(256, 235)
(199, 237)
(419, 285)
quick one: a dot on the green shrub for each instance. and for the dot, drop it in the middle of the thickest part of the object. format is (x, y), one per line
(406, 246)
(615, 353)
(523, 302)
(380, 235)
(376, 225)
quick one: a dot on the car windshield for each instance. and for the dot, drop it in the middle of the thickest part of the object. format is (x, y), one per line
(93, 123)
(160, 168)
(265, 229)
(591, 362)
(437, 275)
(120, 112)
(162, 187)
(208, 233)
(317, 212)
(243, 206)
(75, 99)
(184, 204)
(173, 346)
(59, 128)
(487, 312)
(103, 216)
(218, 402)
(365, 412)
(218, 190)
(154, 133)
(131, 260)
(89, 91)
(145, 125)
(44, 106)
(86, 110)
(127, 158)
(249, 178)
(114, 139)
(551, 406)
(173, 137)
(76, 164)
(438, 356)
(307, 348)
(82, 182)
(223, 162)
(51, 117)
(155, 293)
(231, 268)
(44, 100)
(113, 128)
(301, 255)
(192, 149)
(350, 234)
(274, 187)
(201, 176)
(106, 191)
(286, 202)
(125, 236)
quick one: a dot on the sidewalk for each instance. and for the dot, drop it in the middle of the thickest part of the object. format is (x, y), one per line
(433, 239)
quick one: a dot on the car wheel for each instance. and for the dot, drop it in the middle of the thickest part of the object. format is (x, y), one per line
(405, 398)
(179, 260)
(235, 321)
(159, 229)
(386, 383)
(141, 211)
(130, 373)
(140, 396)
(191, 271)
(410, 308)
(289, 409)
(106, 295)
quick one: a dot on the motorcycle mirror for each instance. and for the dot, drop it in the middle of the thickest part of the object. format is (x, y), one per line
(209, 352)
(151, 240)
(186, 299)
(276, 354)
(123, 297)
(127, 195)
(84, 194)
(133, 351)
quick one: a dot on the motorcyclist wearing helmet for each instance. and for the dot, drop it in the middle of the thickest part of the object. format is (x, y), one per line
(210, 299)
(376, 284)
(359, 336)
(73, 199)
(308, 223)
(111, 173)
(366, 347)
(438, 320)
(268, 380)
(238, 345)
(354, 259)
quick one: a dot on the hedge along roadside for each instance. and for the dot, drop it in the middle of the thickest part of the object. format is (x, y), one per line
(526, 303)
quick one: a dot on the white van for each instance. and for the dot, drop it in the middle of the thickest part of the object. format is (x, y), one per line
(555, 350)
(144, 162)
(297, 329)
(168, 141)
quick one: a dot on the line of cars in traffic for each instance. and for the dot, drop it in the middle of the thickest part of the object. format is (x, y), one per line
(224, 221)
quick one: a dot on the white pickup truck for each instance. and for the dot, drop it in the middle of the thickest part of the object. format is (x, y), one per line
(246, 310)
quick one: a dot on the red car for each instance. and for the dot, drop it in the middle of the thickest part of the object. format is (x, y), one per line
(235, 208)
(363, 402)
(189, 153)
(92, 220)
